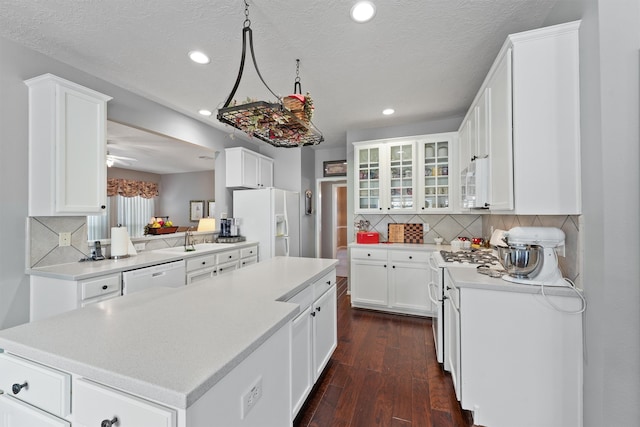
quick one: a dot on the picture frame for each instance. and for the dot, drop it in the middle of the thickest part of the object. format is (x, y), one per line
(211, 207)
(334, 168)
(196, 210)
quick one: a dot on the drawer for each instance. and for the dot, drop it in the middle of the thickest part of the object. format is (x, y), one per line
(46, 388)
(410, 256)
(360, 253)
(200, 275)
(16, 413)
(228, 256)
(94, 403)
(227, 267)
(304, 298)
(205, 261)
(248, 261)
(100, 298)
(249, 252)
(323, 285)
(100, 286)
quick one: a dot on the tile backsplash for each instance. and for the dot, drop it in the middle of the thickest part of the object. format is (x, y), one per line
(450, 227)
(43, 240)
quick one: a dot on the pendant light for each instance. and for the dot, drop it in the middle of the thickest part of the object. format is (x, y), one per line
(270, 122)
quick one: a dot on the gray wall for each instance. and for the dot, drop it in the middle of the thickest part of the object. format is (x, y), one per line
(178, 189)
(609, 70)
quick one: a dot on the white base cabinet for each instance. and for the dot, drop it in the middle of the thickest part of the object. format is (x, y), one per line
(14, 413)
(314, 337)
(50, 296)
(391, 280)
(67, 148)
(518, 355)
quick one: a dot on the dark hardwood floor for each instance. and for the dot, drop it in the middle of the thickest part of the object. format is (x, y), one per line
(384, 372)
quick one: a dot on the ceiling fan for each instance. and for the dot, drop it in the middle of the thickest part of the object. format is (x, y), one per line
(112, 159)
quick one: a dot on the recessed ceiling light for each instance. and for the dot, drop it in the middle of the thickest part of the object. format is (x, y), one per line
(205, 112)
(388, 111)
(363, 11)
(199, 57)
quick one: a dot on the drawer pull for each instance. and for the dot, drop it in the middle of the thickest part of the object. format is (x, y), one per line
(109, 423)
(104, 287)
(17, 387)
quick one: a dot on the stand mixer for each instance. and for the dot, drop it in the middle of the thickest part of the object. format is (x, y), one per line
(530, 256)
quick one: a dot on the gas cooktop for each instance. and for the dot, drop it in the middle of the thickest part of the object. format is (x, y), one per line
(478, 257)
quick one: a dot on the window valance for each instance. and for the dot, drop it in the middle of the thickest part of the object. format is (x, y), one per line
(131, 188)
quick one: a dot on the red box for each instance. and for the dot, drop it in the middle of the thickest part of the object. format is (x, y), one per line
(367, 237)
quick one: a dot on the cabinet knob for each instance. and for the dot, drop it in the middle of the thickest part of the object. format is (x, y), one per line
(486, 205)
(109, 423)
(448, 288)
(423, 208)
(385, 266)
(393, 266)
(329, 282)
(204, 262)
(103, 207)
(17, 387)
(244, 262)
(220, 270)
(368, 254)
(410, 257)
(445, 297)
(104, 287)
(318, 308)
(313, 314)
(380, 208)
(230, 256)
(388, 209)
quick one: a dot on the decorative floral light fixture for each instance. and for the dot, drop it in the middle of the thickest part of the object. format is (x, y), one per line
(286, 123)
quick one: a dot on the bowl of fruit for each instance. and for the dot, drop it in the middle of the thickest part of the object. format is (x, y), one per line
(160, 225)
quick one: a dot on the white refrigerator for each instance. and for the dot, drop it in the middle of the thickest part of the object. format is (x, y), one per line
(271, 217)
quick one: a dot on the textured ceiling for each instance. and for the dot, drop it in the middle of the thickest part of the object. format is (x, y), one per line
(424, 58)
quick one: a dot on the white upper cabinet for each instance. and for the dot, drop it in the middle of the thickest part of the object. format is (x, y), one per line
(385, 176)
(403, 175)
(527, 120)
(67, 148)
(435, 175)
(248, 169)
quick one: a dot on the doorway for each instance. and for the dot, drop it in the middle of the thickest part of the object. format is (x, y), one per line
(331, 226)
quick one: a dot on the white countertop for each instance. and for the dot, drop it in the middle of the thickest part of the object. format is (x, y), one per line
(470, 278)
(171, 344)
(87, 269)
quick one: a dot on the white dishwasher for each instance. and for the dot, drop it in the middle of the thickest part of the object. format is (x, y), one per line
(171, 274)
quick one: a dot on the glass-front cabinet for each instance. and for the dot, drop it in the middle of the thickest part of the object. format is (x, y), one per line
(368, 179)
(401, 183)
(404, 175)
(385, 179)
(436, 183)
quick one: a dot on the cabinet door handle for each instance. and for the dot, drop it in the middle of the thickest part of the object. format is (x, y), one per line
(313, 313)
(318, 308)
(17, 387)
(109, 423)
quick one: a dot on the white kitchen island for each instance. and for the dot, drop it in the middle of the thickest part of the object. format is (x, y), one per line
(191, 354)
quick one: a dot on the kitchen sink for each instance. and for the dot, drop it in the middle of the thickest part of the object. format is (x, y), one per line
(200, 247)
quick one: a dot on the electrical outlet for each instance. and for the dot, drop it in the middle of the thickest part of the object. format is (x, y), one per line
(425, 227)
(139, 246)
(64, 239)
(251, 397)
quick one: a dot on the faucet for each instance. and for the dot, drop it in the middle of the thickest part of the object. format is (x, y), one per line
(188, 240)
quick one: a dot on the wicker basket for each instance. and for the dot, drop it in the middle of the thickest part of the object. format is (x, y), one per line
(294, 104)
